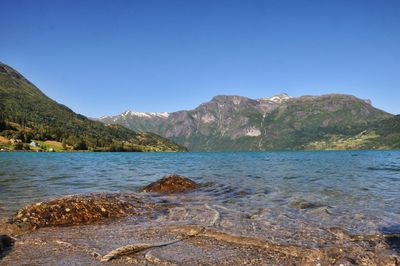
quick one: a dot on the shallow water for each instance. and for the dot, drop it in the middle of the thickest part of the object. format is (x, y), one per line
(256, 192)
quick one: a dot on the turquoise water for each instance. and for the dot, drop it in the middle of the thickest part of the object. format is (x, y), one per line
(357, 190)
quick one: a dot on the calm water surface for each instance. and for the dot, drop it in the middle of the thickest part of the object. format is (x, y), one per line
(356, 190)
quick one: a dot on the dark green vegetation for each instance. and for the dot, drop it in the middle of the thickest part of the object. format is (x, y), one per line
(27, 114)
(333, 121)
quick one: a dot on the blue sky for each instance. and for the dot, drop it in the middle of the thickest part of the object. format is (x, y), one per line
(105, 57)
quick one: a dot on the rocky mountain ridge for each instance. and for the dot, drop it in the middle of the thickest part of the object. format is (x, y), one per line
(231, 122)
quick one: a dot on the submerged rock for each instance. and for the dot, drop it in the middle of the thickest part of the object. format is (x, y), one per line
(172, 184)
(158, 240)
(302, 204)
(79, 209)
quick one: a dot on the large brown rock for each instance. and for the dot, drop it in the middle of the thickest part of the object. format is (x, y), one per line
(172, 184)
(79, 209)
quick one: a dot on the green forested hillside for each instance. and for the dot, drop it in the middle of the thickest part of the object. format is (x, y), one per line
(26, 114)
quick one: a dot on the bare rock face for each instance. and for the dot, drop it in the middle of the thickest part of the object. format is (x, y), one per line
(172, 184)
(79, 209)
(271, 123)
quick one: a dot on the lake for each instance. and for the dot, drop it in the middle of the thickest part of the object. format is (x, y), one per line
(356, 190)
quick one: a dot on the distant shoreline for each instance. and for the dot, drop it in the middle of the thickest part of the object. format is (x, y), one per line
(85, 151)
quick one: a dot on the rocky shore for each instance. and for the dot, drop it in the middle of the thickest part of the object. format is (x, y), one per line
(158, 228)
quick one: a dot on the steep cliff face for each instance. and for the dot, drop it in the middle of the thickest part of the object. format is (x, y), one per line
(223, 115)
(277, 122)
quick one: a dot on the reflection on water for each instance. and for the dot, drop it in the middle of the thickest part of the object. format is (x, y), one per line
(356, 190)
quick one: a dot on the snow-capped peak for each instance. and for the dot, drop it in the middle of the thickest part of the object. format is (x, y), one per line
(145, 114)
(279, 98)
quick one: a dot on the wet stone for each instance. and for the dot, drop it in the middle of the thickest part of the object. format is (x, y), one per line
(162, 233)
(189, 242)
(303, 204)
(172, 184)
(79, 209)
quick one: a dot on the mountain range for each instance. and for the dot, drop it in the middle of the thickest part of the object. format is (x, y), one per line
(280, 122)
(225, 123)
(27, 114)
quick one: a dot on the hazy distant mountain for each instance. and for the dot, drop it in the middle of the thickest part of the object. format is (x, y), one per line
(140, 121)
(26, 113)
(280, 122)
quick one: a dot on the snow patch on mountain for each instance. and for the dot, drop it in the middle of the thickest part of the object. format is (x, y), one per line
(146, 114)
(279, 98)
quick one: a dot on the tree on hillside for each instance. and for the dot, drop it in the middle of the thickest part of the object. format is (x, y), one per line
(3, 125)
(18, 146)
(81, 146)
(64, 144)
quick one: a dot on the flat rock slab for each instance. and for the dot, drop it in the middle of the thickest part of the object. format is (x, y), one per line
(88, 244)
(186, 241)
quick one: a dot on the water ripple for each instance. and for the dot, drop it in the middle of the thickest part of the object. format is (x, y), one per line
(351, 183)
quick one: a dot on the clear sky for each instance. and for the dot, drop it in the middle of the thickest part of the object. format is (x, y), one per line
(105, 57)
